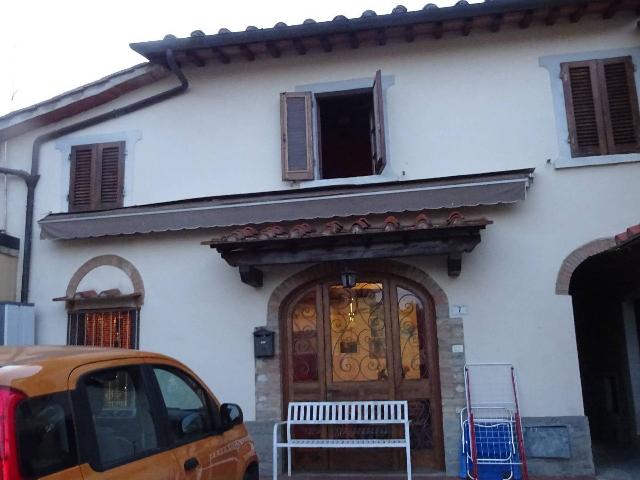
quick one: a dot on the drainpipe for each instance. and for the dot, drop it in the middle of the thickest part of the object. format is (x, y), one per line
(32, 178)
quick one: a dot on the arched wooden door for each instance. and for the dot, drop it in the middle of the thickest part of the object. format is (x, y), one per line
(376, 341)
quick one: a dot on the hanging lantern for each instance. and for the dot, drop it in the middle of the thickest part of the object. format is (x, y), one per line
(348, 278)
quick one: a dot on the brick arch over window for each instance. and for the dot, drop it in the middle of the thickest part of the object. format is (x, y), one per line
(107, 260)
(449, 332)
(575, 258)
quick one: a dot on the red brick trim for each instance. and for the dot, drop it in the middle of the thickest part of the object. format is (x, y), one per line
(575, 258)
(110, 260)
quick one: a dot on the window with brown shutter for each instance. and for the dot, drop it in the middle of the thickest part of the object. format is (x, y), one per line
(602, 107)
(97, 176)
(349, 126)
(297, 136)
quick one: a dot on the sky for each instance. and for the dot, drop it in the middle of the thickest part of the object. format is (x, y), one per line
(51, 46)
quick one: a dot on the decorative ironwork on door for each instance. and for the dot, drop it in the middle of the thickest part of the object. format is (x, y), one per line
(375, 341)
(358, 333)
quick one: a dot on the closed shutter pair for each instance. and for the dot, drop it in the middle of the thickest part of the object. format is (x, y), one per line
(602, 106)
(298, 159)
(97, 175)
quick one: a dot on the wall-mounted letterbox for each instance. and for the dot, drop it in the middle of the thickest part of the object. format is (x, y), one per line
(263, 343)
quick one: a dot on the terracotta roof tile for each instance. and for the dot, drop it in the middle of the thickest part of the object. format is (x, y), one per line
(423, 221)
(455, 218)
(406, 221)
(630, 234)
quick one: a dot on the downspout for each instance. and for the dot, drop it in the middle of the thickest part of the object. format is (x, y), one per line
(32, 178)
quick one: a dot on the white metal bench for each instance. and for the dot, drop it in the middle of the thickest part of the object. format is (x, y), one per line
(343, 413)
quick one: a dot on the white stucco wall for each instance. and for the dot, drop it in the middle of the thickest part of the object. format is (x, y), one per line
(455, 106)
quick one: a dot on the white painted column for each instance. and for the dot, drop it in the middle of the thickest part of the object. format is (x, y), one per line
(3, 188)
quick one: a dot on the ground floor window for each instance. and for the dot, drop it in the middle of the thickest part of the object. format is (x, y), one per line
(118, 328)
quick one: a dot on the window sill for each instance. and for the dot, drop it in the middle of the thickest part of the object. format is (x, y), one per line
(330, 182)
(596, 160)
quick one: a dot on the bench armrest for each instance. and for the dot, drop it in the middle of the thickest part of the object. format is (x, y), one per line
(275, 431)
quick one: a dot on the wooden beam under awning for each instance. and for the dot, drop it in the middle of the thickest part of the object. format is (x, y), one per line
(252, 256)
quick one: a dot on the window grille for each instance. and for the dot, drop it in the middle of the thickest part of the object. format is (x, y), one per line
(98, 328)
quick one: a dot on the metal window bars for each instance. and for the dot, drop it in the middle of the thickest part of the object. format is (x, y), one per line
(492, 437)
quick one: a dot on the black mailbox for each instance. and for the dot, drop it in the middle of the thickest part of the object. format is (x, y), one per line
(263, 343)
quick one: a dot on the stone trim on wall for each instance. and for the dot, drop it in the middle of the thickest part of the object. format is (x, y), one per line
(107, 260)
(449, 332)
(575, 258)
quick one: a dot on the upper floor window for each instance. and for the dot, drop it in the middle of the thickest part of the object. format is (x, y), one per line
(97, 176)
(602, 107)
(350, 130)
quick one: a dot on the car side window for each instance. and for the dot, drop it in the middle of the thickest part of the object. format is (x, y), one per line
(46, 440)
(121, 415)
(187, 405)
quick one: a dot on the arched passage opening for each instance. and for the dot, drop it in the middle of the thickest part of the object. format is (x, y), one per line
(605, 291)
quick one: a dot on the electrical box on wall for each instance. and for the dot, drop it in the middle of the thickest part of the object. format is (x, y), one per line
(17, 323)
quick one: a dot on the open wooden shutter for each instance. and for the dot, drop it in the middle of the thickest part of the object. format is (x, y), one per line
(82, 182)
(110, 175)
(619, 104)
(584, 110)
(378, 144)
(297, 136)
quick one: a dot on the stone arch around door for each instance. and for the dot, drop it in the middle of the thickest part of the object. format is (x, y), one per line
(269, 385)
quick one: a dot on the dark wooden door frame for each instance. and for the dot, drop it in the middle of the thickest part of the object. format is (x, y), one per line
(390, 282)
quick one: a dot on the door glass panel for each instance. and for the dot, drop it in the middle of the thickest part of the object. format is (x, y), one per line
(186, 403)
(121, 415)
(305, 338)
(358, 337)
(413, 337)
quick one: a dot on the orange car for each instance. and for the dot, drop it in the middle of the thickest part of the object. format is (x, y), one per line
(78, 413)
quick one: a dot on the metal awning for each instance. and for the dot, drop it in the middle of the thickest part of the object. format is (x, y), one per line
(291, 205)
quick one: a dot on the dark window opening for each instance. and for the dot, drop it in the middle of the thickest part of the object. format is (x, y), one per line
(346, 129)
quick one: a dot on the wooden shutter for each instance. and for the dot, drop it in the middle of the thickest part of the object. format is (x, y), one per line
(378, 143)
(584, 109)
(97, 175)
(110, 175)
(619, 104)
(82, 182)
(297, 136)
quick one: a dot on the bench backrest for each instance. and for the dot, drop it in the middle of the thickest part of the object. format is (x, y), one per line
(371, 412)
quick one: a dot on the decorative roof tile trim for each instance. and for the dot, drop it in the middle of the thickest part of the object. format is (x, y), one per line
(313, 228)
(628, 235)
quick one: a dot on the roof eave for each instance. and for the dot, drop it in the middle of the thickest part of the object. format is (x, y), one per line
(153, 49)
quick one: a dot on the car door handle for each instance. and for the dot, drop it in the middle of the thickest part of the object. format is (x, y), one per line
(190, 464)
